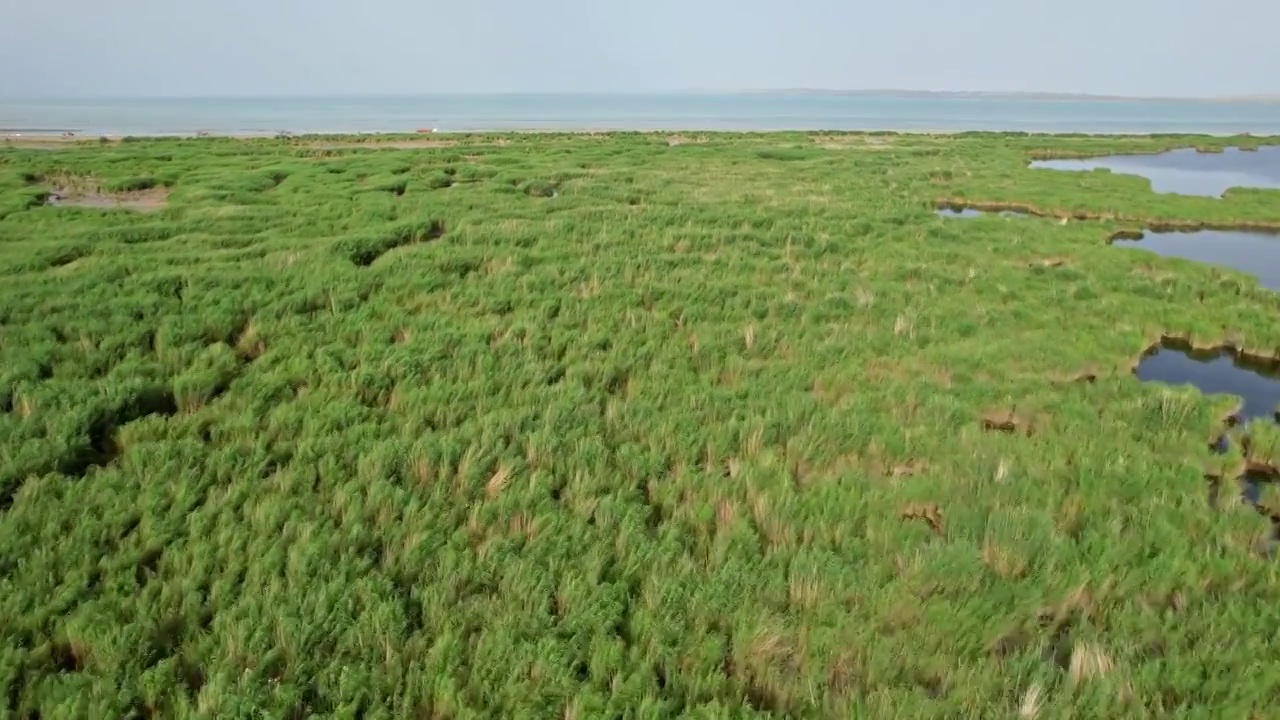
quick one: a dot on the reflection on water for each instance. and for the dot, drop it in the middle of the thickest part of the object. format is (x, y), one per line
(1214, 372)
(1221, 444)
(1252, 489)
(959, 212)
(971, 213)
(1257, 475)
(1188, 172)
(1256, 253)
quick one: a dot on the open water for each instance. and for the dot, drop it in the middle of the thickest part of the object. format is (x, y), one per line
(687, 111)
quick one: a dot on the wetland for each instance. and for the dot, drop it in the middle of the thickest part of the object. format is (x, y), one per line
(589, 425)
(1186, 171)
(1255, 253)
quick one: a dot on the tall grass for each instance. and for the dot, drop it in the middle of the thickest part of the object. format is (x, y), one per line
(648, 428)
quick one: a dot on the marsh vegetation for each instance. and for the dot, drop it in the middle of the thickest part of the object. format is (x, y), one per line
(602, 425)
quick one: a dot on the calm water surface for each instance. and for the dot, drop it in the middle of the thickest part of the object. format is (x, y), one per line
(1216, 372)
(959, 213)
(674, 111)
(1187, 172)
(971, 213)
(1256, 253)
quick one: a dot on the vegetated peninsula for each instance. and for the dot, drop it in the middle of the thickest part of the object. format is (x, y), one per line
(659, 425)
(1018, 95)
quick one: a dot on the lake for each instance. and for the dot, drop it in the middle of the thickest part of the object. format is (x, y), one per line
(1186, 171)
(755, 111)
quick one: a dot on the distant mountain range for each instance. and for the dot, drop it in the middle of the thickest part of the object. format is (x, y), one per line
(995, 95)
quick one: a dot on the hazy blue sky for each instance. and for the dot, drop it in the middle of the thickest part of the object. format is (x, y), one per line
(266, 47)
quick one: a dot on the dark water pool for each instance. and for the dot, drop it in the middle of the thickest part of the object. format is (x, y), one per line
(1216, 372)
(971, 213)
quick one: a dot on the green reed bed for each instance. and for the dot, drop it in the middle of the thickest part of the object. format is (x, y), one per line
(579, 426)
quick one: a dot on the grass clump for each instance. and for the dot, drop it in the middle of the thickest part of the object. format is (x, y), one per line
(365, 247)
(735, 427)
(131, 184)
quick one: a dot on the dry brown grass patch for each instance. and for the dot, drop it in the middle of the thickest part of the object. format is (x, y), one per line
(497, 482)
(907, 469)
(844, 674)
(250, 345)
(420, 144)
(930, 513)
(726, 514)
(1048, 262)
(1006, 563)
(1083, 376)
(1029, 708)
(1089, 661)
(23, 406)
(804, 592)
(676, 140)
(852, 142)
(522, 524)
(1007, 421)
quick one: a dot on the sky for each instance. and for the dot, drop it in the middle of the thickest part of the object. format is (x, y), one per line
(166, 48)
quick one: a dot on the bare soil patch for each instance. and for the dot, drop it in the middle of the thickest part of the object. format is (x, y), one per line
(55, 142)
(423, 144)
(1007, 421)
(907, 469)
(1086, 376)
(852, 142)
(1047, 262)
(149, 200)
